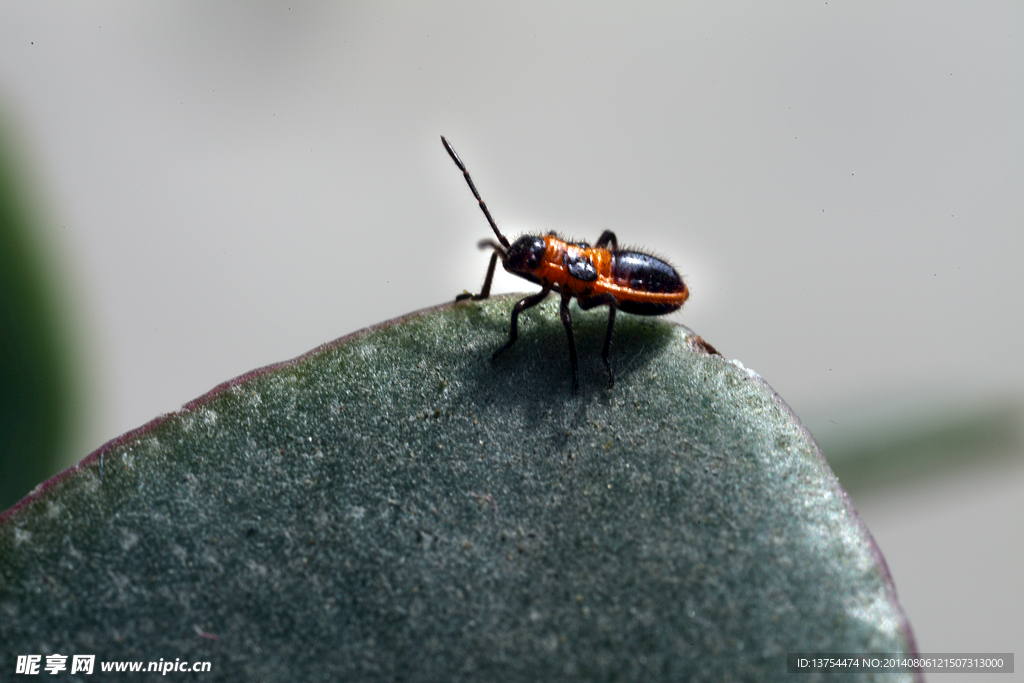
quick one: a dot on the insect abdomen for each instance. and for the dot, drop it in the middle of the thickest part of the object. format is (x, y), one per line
(644, 274)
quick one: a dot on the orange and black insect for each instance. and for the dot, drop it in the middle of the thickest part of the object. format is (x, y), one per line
(600, 275)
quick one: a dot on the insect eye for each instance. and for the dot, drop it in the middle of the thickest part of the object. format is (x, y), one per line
(537, 249)
(527, 253)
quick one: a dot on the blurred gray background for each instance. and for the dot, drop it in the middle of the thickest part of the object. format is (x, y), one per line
(223, 186)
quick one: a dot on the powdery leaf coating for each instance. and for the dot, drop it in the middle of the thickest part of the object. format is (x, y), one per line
(394, 505)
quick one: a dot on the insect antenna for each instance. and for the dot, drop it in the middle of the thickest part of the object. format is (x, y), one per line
(469, 181)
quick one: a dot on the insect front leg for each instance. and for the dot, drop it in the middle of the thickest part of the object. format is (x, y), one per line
(567, 322)
(513, 333)
(602, 300)
(485, 292)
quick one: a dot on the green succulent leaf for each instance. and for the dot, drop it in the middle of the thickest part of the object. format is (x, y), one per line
(395, 505)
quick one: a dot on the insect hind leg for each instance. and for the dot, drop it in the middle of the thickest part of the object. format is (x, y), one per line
(607, 237)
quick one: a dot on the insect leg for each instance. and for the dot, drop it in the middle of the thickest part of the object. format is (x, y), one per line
(607, 237)
(486, 290)
(513, 332)
(600, 300)
(567, 321)
(608, 341)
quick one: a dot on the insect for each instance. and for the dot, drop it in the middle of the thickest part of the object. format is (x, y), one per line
(601, 275)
